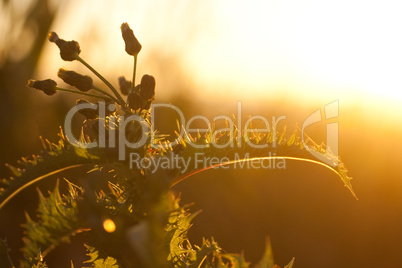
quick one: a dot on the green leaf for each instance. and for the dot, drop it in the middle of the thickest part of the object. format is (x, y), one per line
(236, 260)
(207, 248)
(279, 146)
(178, 225)
(100, 262)
(290, 265)
(54, 159)
(57, 222)
(267, 260)
(40, 265)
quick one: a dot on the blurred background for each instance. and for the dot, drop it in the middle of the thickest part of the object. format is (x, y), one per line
(276, 57)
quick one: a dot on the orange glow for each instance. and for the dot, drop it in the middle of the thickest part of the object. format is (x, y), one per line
(315, 51)
(109, 226)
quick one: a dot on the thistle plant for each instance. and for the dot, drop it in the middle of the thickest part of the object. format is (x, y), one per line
(136, 221)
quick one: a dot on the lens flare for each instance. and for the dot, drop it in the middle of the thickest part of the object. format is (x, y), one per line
(109, 226)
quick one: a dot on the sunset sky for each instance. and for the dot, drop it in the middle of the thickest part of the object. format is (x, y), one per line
(313, 51)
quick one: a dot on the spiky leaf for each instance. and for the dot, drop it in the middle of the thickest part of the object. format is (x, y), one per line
(100, 262)
(56, 223)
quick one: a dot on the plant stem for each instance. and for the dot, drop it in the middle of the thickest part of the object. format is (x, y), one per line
(134, 72)
(124, 108)
(106, 93)
(8, 197)
(84, 93)
(231, 162)
(120, 99)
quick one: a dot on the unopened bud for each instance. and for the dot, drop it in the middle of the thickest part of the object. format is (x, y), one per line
(124, 85)
(48, 86)
(69, 50)
(87, 112)
(147, 105)
(134, 101)
(82, 82)
(133, 47)
(147, 91)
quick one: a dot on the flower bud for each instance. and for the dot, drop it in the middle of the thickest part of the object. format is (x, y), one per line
(147, 91)
(88, 112)
(82, 82)
(147, 105)
(124, 85)
(133, 47)
(69, 50)
(134, 101)
(48, 86)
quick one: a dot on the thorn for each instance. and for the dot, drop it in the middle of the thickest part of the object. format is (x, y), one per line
(43, 142)
(16, 171)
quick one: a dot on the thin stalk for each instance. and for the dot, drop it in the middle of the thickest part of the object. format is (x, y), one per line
(4, 201)
(134, 72)
(105, 93)
(83, 93)
(124, 108)
(121, 101)
(231, 162)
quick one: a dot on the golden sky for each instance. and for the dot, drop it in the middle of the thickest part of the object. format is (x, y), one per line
(312, 51)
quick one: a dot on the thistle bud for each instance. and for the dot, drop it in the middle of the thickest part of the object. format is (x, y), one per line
(48, 86)
(82, 82)
(147, 105)
(124, 85)
(134, 101)
(147, 91)
(87, 112)
(133, 47)
(69, 50)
